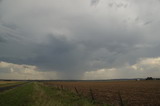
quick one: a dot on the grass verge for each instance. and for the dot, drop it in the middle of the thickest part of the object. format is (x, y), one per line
(49, 96)
(38, 94)
(20, 96)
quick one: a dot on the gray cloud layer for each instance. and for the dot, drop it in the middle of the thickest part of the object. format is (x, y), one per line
(74, 36)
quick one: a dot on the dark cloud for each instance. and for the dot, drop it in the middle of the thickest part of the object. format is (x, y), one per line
(76, 38)
(148, 22)
(94, 2)
(119, 4)
(72, 57)
(2, 40)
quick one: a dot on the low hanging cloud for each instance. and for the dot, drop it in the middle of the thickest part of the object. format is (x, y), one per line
(16, 71)
(72, 38)
(146, 67)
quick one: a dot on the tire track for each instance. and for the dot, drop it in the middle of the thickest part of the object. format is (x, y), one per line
(11, 86)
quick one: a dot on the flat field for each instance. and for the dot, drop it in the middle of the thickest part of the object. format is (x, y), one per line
(7, 82)
(133, 93)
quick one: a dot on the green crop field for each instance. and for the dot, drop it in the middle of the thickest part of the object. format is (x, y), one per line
(38, 94)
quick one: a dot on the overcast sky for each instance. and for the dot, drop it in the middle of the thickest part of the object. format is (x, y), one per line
(79, 39)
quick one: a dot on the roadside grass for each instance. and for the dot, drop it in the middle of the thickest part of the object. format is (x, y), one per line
(38, 94)
(19, 96)
(49, 96)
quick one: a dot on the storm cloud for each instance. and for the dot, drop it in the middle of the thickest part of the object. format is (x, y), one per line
(72, 38)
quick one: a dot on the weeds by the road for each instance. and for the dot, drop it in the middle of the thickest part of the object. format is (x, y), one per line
(49, 96)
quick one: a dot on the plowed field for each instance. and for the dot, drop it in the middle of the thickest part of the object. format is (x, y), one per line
(133, 93)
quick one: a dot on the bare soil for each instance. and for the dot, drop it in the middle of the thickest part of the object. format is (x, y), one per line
(133, 93)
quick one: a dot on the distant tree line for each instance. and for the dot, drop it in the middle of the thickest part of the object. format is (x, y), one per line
(150, 78)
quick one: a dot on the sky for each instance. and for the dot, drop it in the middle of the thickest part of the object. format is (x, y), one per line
(79, 39)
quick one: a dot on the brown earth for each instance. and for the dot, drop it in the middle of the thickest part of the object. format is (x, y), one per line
(133, 93)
